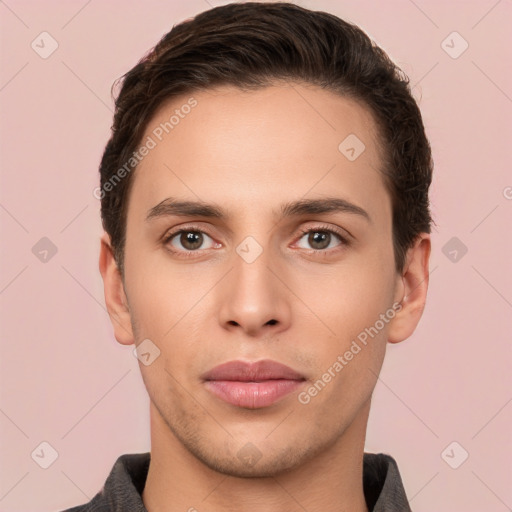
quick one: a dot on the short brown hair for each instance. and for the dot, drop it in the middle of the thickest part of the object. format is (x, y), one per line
(252, 45)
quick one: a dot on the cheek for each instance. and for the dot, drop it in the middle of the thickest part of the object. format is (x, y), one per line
(349, 298)
(348, 306)
(159, 298)
(346, 371)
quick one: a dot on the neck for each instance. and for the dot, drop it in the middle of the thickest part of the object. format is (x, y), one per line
(330, 482)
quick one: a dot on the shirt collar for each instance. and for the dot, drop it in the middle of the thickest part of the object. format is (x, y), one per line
(382, 485)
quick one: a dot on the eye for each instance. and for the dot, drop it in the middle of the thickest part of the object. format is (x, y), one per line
(191, 240)
(321, 238)
(188, 240)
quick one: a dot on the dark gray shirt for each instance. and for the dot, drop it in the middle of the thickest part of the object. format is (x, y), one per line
(382, 485)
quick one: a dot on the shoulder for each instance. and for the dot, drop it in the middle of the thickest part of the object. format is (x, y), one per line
(123, 488)
(382, 484)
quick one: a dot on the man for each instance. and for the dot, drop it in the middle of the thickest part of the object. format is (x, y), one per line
(264, 197)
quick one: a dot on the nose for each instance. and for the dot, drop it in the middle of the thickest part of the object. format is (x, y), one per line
(253, 299)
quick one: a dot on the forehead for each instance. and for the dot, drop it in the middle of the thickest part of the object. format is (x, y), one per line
(260, 147)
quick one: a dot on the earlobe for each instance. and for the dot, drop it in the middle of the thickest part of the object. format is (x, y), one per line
(413, 290)
(115, 297)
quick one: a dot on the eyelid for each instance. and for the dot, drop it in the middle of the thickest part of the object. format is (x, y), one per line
(341, 234)
(338, 232)
(169, 235)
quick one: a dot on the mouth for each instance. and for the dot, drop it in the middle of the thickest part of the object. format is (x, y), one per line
(252, 385)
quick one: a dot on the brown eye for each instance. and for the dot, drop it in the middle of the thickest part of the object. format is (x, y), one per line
(191, 240)
(188, 240)
(320, 239)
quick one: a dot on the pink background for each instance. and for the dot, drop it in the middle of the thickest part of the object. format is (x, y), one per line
(64, 378)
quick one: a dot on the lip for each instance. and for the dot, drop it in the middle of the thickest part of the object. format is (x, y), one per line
(252, 385)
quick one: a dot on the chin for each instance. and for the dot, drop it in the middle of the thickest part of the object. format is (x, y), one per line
(250, 462)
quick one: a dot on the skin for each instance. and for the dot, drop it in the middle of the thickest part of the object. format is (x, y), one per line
(248, 153)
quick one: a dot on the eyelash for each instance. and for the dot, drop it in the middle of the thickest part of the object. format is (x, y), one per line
(321, 229)
(325, 229)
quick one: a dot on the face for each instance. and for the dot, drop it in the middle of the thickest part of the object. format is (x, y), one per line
(282, 255)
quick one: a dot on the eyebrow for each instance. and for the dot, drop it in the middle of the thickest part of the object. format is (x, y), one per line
(172, 206)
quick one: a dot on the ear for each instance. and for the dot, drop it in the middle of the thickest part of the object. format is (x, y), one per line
(411, 290)
(115, 297)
